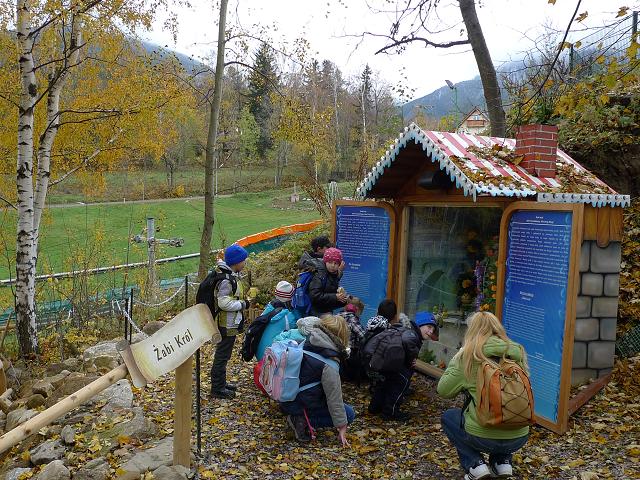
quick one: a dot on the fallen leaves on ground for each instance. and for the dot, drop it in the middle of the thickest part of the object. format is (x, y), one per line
(248, 437)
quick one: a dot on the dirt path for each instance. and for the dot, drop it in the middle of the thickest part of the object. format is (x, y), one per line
(150, 200)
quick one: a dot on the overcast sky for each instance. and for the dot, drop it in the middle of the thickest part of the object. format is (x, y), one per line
(333, 29)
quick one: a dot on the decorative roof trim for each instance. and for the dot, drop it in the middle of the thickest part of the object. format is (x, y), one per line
(415, 133)
(595, 199)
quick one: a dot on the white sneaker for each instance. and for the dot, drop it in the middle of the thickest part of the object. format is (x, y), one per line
(501, 470)
(479, 471)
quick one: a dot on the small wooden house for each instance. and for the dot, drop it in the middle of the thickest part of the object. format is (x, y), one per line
(513, 226)
(475, 122)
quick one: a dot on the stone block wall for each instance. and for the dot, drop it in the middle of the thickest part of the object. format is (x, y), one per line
(596, 311)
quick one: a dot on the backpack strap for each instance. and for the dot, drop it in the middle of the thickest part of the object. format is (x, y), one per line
(218, 278)
(468, 399)
(332, 363)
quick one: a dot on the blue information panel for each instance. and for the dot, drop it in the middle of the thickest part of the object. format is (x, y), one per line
(535, 297)
(363, 234)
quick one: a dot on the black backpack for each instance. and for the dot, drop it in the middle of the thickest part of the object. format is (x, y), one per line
(254, 332)
(385, 351)
(208, 286)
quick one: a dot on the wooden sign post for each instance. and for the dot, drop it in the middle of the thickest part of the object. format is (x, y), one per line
(170, 348)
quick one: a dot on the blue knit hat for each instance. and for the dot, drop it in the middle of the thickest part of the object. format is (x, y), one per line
(425, 318)
(235, 254)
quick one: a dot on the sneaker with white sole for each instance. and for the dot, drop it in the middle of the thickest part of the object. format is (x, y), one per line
(501, 470)
(481, 470)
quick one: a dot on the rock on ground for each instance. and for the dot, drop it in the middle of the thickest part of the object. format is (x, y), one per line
(57, 380)
(139, 427)
(102, 354)
(68, 435)
(46, 452)
(151, 459)
(42, 387)
(152, 327)
(18, 417)
(96, 469)
(177, 472)
(15, 473)
(118, 395)
(55, 470)
(74, 382)
(36, 400)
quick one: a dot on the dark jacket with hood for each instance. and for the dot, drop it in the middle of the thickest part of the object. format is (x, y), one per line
(412, 342)
(323, 288)
(410, 337)
(310, 261)
(329, 393)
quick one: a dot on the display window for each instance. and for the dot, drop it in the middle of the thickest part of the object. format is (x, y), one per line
(451, 268)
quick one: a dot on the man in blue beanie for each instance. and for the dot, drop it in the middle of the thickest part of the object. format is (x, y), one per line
(229, 302)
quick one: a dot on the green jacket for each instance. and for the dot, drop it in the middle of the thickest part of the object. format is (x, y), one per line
(453, 381)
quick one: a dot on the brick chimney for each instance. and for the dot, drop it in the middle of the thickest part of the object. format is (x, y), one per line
(539, 145)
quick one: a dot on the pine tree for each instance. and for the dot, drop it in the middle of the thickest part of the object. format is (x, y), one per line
(262, 82)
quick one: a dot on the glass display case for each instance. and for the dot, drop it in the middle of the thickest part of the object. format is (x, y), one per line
(451, 268)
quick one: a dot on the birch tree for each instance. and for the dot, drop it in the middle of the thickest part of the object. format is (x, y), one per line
(60, 48)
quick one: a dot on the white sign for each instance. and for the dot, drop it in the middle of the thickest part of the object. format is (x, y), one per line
(170, 346)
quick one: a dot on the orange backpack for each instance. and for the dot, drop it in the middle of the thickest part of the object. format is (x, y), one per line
(504, 394)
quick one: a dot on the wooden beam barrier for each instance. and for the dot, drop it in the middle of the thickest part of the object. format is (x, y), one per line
(587, 393)
(46, 417)
(428, 369)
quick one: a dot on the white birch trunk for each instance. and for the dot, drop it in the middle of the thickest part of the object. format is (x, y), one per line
(25, 246)
(57, 80)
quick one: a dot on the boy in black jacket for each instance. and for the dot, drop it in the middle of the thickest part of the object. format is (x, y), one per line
(388, 393)
(312, 260)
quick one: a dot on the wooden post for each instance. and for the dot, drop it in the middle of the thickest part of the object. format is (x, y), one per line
(151, 249)
(65, 405)
(182, 416)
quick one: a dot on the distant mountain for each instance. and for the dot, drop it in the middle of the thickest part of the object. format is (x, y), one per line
(189, 63)
(460, 99)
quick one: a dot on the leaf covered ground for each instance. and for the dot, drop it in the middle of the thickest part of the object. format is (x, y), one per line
(248, 437)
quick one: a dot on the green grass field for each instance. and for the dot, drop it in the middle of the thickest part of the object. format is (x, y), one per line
(97, 235)
(138, 184)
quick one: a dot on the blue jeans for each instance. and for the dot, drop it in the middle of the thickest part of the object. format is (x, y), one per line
(470, 447)
(318, 418)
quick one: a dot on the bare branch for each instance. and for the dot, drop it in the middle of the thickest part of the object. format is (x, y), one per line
(403, 41)
(9, 204)
(529, 101)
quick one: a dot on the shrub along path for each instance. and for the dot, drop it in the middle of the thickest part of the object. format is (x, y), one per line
(248, 437)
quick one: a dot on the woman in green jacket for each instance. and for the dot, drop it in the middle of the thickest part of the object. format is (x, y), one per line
(485, 338)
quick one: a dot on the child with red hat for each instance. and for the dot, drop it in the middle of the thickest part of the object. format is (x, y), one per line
(324, 288)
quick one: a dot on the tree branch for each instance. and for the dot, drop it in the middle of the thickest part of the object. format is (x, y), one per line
(411, 39)
(86, 161)
(9, 204)
(537, 93)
